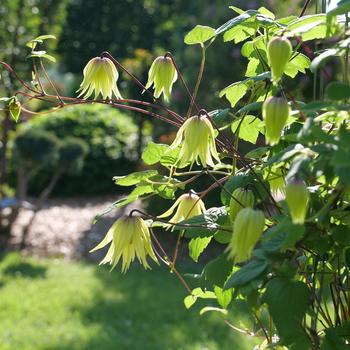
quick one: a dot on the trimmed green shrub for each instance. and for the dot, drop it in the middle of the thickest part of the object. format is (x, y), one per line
(111, 137)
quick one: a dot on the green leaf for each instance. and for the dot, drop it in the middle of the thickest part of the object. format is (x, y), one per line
(288, 301)
(249, 272)
(199, 35)
(216, 272)
(241, 32)
(153, 153)
(45, 37)
(298, 64)
(282, 236)
(223, 297)
(234, 92)
(308, 27)
(198, 293)
(249, 128)
(170, 157)
(42, 54)
(321, 59)
(221, 117)
(208, 222)
(197, 246)
(236, 21)
(337, 91)
(342, 7)
(211, 309)
(134, 178)
(255, 106)
(333, 342)
(39, 40)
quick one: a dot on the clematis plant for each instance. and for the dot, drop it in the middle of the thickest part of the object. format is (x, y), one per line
(285, 248)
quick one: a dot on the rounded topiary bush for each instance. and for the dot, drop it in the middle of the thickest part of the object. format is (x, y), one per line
(111, 138)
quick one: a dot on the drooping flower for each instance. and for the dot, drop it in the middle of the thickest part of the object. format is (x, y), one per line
(279, 51)
(100, 76)
(197, 139)
(275, 112)
(187, 206)
(129, 237)
(240, 198)
(297, 198)
(162, 75)
(247, 229)
(276, 182)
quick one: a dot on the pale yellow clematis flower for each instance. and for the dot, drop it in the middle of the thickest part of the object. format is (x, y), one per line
(187, 206)
(100, 76)
(162, 75)
(197, 139)
(129, 237)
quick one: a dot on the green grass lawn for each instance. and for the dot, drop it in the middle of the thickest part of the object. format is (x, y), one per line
(57, 305)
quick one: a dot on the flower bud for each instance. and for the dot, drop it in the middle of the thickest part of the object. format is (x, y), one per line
(279, 51)
(277, 183)
(275, 111)
(297, 197)
(240, 198)
(100, 76)
(187, 206)
(15, 109)
(162, 75)
(247, 229)
(197, 139)
(129, 237)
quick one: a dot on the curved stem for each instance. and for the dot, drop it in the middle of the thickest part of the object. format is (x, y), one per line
(199, 79)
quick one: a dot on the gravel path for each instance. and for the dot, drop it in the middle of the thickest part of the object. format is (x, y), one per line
(64, 228)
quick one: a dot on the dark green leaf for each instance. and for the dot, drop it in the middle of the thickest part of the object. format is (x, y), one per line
(254, 269)
(216, 272)
(288, 301)
(338, 91)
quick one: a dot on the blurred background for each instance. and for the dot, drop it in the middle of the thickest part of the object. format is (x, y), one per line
(56, 174)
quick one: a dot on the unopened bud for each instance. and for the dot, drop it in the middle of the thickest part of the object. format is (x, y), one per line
(297, 197)
(279, 51)
(240, 199)
(247, 229)
(275, 112)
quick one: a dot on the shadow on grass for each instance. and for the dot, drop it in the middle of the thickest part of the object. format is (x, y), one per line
(14, 266)
(145, 310)
(25, 269)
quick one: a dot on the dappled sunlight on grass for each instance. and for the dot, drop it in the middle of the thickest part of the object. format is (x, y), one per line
(78, 306)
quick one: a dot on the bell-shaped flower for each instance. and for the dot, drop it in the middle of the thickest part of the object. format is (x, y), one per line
(187, 206)
(129, 237)
(162, 75)
(196, 137)
(275, 111)
(247, 229)
(240, 198)
(297, 198)
(279, 51)
(100, 77)
(277, 183)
